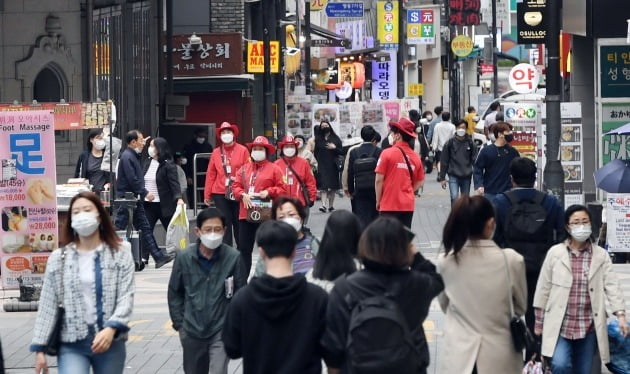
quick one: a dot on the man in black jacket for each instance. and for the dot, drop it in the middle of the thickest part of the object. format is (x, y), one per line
(457, 159)
(276, 321)
(130, 178)
(199, 144)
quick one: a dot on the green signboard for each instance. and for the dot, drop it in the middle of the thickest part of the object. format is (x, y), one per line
(615, 115)
(614, 65)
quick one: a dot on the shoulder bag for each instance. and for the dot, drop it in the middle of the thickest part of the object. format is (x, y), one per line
(54, 340)
(522, 338)
(308, 201)
(260, 210)
(408, 165)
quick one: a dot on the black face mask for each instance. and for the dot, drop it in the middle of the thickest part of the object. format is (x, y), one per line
(326, 130)
(509, 138)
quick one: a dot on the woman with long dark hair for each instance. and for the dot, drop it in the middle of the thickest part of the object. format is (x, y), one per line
(162, 182)
(92, 276)
(479, 278)
(337, 251)
(328, 148)
(90, 160)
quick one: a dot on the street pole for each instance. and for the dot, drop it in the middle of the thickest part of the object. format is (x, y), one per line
(267, 93)
(400, 56)
(307, 46)
(553, 174)
(495, 74)
(280, 79)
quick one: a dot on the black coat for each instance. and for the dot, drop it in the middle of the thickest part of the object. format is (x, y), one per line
(327, 169)
(419, 286)
(168, 186)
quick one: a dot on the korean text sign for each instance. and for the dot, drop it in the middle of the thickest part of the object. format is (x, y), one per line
(28, 203)
(614, 68)
(384, 78)
(387, 24)
(614, 115)
(618, 219)
(217, 54)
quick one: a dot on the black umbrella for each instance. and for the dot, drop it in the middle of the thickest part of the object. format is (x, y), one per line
(614, 177)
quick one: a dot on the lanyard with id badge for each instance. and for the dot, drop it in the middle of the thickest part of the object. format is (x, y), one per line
(227, 169)
(260, 209)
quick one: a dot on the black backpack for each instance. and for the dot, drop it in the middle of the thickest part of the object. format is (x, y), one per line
(527, 229)
(379, 339)
(364, 174)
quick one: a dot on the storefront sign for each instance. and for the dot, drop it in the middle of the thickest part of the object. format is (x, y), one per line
(420, 26)
(256, 57)
(70, 116)
(614, 115)
(461, 45)
(524, 78)
(415, 89)
(614, 70)
(217, 54)
(525, 118)
(387, 23)
(531, 21)
(384, 78)
(464, 12)
(618, 220)
(28, 203)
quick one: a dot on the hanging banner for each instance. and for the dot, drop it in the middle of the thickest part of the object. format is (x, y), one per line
(28, 202)
(70, 116)
(256, 57)
(384, 78)
(618, 222)
(387, 23)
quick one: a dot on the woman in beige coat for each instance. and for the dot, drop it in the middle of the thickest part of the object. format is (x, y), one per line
(476, 296)
(570, 304)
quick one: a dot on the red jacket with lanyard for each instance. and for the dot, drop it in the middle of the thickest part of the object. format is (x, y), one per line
(224, 158)
(255, 177)
(303, 169)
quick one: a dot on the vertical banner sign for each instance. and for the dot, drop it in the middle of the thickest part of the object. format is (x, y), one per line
(571, 154)
(28, 203)
(614, 115)
(531, 21)
(614, 70)
(387, 23)
(618, 219)
(256, 59)
(420, 27)
(384, 78)
(464, 12)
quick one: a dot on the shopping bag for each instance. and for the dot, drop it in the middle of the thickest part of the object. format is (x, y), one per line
(177, 231)
(619, 350)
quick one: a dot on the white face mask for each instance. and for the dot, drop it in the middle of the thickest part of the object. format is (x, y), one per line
(581, 232)
(85, 223)
(151, 152)
(294, 222)
(259, 155)
(100, 144)
(212, 240)
(289, 151)
(184, 161)
(227, 138)
(460, 132)
(429, 117)
(201, 140)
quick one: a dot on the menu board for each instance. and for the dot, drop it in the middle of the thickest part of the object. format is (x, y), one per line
(571, 153)
(28, 205)
(618, 222)
(298, 116)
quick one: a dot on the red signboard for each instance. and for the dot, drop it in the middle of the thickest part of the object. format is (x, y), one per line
(215, 54)
(487, 68)
(464, 12)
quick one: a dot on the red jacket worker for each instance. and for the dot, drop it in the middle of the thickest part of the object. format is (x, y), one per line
(399, 173)
(298, 175)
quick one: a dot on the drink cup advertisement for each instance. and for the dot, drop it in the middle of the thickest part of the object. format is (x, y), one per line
(28, 204)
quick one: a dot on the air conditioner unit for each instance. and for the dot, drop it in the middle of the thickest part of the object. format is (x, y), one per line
(176, 106)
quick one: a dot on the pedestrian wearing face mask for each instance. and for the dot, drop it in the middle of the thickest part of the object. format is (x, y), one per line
(130, 179)
(205, 277)
(180, 161)
(298, 177)
(199, 144)
(458, 157)
(160, 179)
(93, 277)
(306, 153)
(442, 132)
(576, 282)
(491, 172)
(256, 181)
(328, 148)
(228, 157)
(89, 165)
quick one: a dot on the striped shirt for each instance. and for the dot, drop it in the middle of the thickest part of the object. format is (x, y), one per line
(150, 182)
(578, 319)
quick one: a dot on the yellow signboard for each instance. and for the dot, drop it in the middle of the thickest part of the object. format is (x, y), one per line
(462, 45)
(256, 59)
(318, 4)
(415, 89)
(387, 23)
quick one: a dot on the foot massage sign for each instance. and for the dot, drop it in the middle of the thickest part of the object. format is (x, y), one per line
(28, 204)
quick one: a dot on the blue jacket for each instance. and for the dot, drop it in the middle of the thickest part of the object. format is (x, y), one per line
(130, 175)
(492, 168)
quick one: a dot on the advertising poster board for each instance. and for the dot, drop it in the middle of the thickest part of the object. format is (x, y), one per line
(327, 112)
(618, 222)
(374, 115)
(525, 117)
(614, 115)
(71, 116)
(350, 121)
(299, 116)
(28, 202)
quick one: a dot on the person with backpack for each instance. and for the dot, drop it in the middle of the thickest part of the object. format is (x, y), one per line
(458, 157)
(484, 288)
(530, 222)
(374, 316)
(361, 176)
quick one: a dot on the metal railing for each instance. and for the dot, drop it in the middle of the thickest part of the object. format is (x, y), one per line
(196, 189)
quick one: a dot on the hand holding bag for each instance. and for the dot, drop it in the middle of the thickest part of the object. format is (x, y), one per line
(54, 340)
(260, 210)
(522, 338)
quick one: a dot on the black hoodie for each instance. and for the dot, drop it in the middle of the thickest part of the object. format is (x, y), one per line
(276, 324)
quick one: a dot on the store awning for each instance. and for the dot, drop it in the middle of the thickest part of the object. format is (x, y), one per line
(213, 83)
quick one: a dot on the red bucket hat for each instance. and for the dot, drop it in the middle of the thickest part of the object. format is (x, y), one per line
(261, 141)
(405, 126)
(227, 126)
(287, 140)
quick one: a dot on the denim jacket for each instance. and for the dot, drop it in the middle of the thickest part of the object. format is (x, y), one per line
(114, 290)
